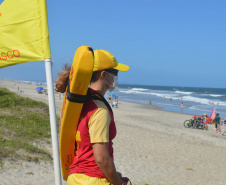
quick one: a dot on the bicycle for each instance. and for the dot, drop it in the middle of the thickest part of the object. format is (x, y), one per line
(196, 123)
(201, 124)
(189, 123)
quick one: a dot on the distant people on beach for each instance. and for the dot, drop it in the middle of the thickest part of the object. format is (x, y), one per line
(114, 104)
(113, 101)
(211, 102)
(217, 122)
(110, 99)
(150, 102)
(116, 101)
(182, 107)
(204, 116)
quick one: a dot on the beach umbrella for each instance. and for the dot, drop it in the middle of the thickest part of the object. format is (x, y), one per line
(114, 96)
(39, 88)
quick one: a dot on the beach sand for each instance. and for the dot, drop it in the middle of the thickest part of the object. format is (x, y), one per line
(152, 147)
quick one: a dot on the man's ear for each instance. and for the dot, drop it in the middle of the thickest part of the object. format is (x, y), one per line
(103, 74)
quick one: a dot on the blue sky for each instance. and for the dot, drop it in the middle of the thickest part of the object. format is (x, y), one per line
(165, 42)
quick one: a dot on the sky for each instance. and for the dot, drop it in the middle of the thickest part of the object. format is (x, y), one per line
(165, 42)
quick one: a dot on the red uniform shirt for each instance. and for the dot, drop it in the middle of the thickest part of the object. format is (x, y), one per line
(84, 161)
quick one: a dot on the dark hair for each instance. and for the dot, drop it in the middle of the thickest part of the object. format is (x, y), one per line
(95, 76)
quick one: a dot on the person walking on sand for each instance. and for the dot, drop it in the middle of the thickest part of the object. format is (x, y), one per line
(182, 107)
(217, 122)
(94, 162)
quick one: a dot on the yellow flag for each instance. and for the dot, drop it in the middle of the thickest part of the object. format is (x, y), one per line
(24, 34)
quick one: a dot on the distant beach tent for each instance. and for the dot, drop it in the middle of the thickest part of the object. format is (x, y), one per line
(25, 38)
(39, 88)
(113, 95)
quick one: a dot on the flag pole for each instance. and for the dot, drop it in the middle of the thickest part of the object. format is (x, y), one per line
(53, 122)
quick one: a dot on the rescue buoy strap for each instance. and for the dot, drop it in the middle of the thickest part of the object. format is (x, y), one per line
(76, 98)
(97, 97)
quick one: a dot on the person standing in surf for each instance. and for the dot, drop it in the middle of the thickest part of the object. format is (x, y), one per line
(182, 106)
(94, 160)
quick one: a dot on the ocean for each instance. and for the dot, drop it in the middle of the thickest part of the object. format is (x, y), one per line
(196, 100)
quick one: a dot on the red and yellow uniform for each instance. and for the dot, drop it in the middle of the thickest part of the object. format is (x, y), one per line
(96, 126)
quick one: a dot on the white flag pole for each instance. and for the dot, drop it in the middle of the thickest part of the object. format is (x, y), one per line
(53, 122)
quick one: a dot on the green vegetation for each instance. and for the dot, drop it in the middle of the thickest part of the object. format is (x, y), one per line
(23, 124)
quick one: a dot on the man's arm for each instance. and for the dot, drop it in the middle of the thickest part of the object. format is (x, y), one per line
(105, 162)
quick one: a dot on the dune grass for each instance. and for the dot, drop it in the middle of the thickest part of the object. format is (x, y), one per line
(23, 122)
